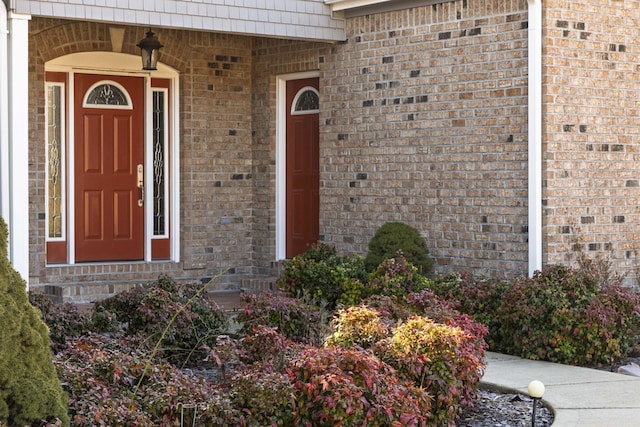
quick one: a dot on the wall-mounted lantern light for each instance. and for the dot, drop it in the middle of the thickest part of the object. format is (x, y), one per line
(150, 51)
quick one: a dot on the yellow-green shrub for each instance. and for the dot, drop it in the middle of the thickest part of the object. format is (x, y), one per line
(440, 358)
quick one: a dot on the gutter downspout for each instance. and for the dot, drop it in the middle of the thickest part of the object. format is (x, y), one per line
(535, 135)
(4, 117)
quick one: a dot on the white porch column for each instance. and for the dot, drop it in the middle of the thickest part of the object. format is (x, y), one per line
(4, 115)
(535, 135)
(16, 214)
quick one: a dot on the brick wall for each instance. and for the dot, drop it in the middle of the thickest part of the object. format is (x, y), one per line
(591, 131)
(424, 121)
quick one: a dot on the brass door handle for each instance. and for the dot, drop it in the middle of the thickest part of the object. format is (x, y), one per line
(140, 183)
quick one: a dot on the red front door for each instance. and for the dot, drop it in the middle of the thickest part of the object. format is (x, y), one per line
(109, 147)
(303, 176)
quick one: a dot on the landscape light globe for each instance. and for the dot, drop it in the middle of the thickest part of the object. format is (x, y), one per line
(536, 389)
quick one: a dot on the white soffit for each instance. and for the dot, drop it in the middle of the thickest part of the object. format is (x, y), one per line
(338, 5)
(353, 8)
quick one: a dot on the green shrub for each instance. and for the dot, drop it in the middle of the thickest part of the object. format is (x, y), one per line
(29, 388)
(292, 317)
(396, 277)
(336, 386)
(567, 316)
(178, 315)
(324, 277)
(398, 236)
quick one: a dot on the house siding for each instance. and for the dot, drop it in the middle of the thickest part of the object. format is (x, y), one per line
(301, 19)
(591, 132)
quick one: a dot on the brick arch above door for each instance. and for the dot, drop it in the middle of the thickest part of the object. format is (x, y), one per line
(57, 38)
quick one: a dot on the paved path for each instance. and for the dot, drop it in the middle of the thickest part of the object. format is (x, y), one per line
(580, 397)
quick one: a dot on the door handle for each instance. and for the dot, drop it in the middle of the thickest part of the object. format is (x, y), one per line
(140, 183)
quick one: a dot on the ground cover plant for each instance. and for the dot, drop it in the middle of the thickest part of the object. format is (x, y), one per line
(129, 362)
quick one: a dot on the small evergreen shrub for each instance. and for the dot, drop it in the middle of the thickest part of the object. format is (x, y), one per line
(178, 315)
(292, 317)
(392, 237)
(580, 316)
(324, 277)
(396, 277)
(29, 388)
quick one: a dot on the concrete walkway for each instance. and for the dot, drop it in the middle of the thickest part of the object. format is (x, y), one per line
(580, 397)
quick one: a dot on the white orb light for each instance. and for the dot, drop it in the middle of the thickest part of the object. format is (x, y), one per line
(536, 389)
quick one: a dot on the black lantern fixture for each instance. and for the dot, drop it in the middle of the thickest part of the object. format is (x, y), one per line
(150, 51)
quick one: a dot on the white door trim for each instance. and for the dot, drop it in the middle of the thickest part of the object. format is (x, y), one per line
(113, 63)
(281, 157)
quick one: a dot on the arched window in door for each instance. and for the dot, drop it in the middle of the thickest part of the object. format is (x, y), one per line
(306, 101)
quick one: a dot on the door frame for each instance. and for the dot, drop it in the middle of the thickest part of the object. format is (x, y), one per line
(113, 63)
(281, 158)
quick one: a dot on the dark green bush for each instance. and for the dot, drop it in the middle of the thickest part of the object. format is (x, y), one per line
(29, 388)
(398, 236)
(179, 315)
(324, 277)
